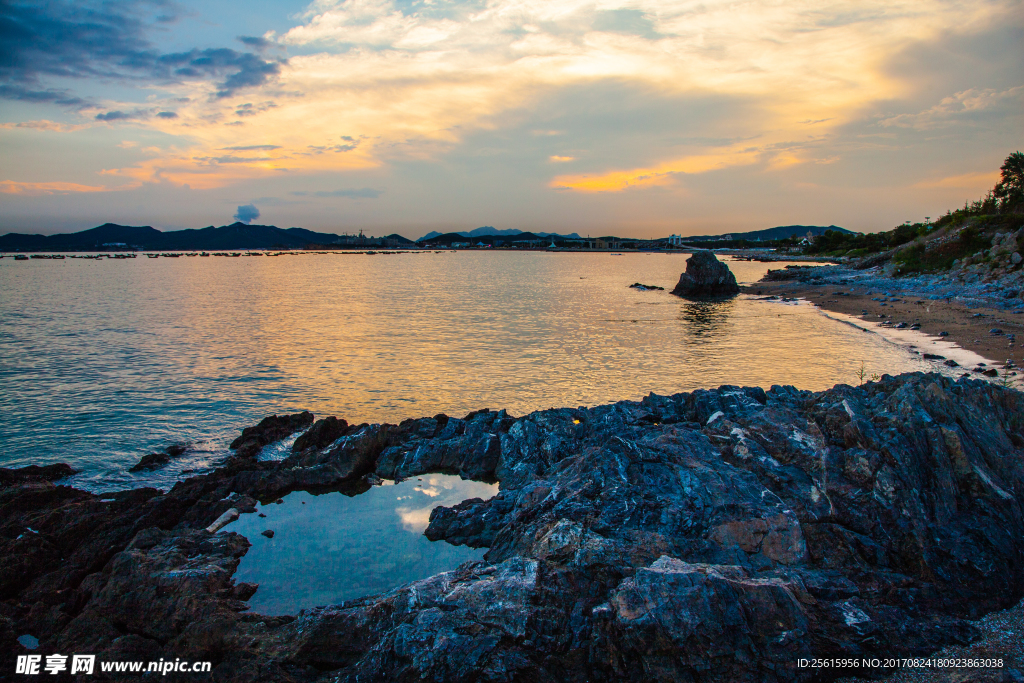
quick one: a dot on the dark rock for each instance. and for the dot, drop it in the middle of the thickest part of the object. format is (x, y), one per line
(933, 356)
(157, 460)
(706, 276)
(322, 434)
(52, 472)
(952, 363)
(269, 533)
(644, 288)
(995, 331)
(943, 334)
(717, 535)
(269, 430)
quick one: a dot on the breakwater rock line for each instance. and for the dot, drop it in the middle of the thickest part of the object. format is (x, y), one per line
(718, 535)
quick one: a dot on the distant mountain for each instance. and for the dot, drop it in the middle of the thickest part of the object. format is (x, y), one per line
(779, 233)
(488, 231)
(234, 236)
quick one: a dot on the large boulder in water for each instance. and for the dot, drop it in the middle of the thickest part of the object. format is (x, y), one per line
(706, 276)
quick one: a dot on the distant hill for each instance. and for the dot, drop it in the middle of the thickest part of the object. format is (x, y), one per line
(487, 231)
(779, 233)
(234, 236)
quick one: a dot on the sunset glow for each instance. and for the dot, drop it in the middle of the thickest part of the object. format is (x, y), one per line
(519, 112)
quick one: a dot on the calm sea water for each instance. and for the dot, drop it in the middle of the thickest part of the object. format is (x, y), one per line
(104, 361)
(331, 547)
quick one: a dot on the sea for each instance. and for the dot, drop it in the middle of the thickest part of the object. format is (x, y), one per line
(105, 360)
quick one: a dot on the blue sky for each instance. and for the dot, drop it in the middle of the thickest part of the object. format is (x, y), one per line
(639, 118)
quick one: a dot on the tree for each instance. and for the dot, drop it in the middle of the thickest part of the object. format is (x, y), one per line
(1010, 190)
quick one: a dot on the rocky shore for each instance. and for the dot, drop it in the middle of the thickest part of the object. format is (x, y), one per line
(984, 318)
(718, 535)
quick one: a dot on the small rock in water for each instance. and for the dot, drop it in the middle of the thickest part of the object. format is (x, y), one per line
(157, 460)
(952, 363)
(269, 533)
(644, 288)
(262, 515)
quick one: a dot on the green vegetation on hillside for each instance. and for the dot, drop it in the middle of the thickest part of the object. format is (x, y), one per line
(935, 246)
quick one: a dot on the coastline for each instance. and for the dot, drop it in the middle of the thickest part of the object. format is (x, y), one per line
(824, 515)
(967, 324)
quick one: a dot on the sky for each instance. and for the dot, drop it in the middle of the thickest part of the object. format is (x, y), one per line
(639, 119)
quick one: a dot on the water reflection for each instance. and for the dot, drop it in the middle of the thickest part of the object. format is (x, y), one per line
(333, 547)
(706, 318)
(102, 362)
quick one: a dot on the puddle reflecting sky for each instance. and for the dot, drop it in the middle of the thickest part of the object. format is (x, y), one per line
(332, 547)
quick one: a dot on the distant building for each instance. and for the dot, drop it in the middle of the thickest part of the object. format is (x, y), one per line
(675, 240)
(457, 245)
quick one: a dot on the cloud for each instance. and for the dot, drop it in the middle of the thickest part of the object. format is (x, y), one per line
(249, 109)
(965, 106)
(663, 174)
(12, 187)
(118, 115)
(231, 159)
(43, 124)
(167, 114)
(47, 96)
(560, 159)
(251, 148)
(257, 43)
(247, 213)
(971, 181)
(364, 193)
(107, 39)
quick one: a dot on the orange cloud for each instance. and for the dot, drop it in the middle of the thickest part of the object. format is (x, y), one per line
(964, 181)
(663, 174)
(34, 189)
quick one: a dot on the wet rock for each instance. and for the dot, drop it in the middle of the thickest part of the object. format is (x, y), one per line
(52, 472)
(269, 533)
(323, 433)
(706, 276)
(716, 535)
(269, 430)
(644, 288)
(157, 460)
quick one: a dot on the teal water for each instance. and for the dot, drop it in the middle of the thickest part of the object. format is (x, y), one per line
(331, 547)
(104, 361)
